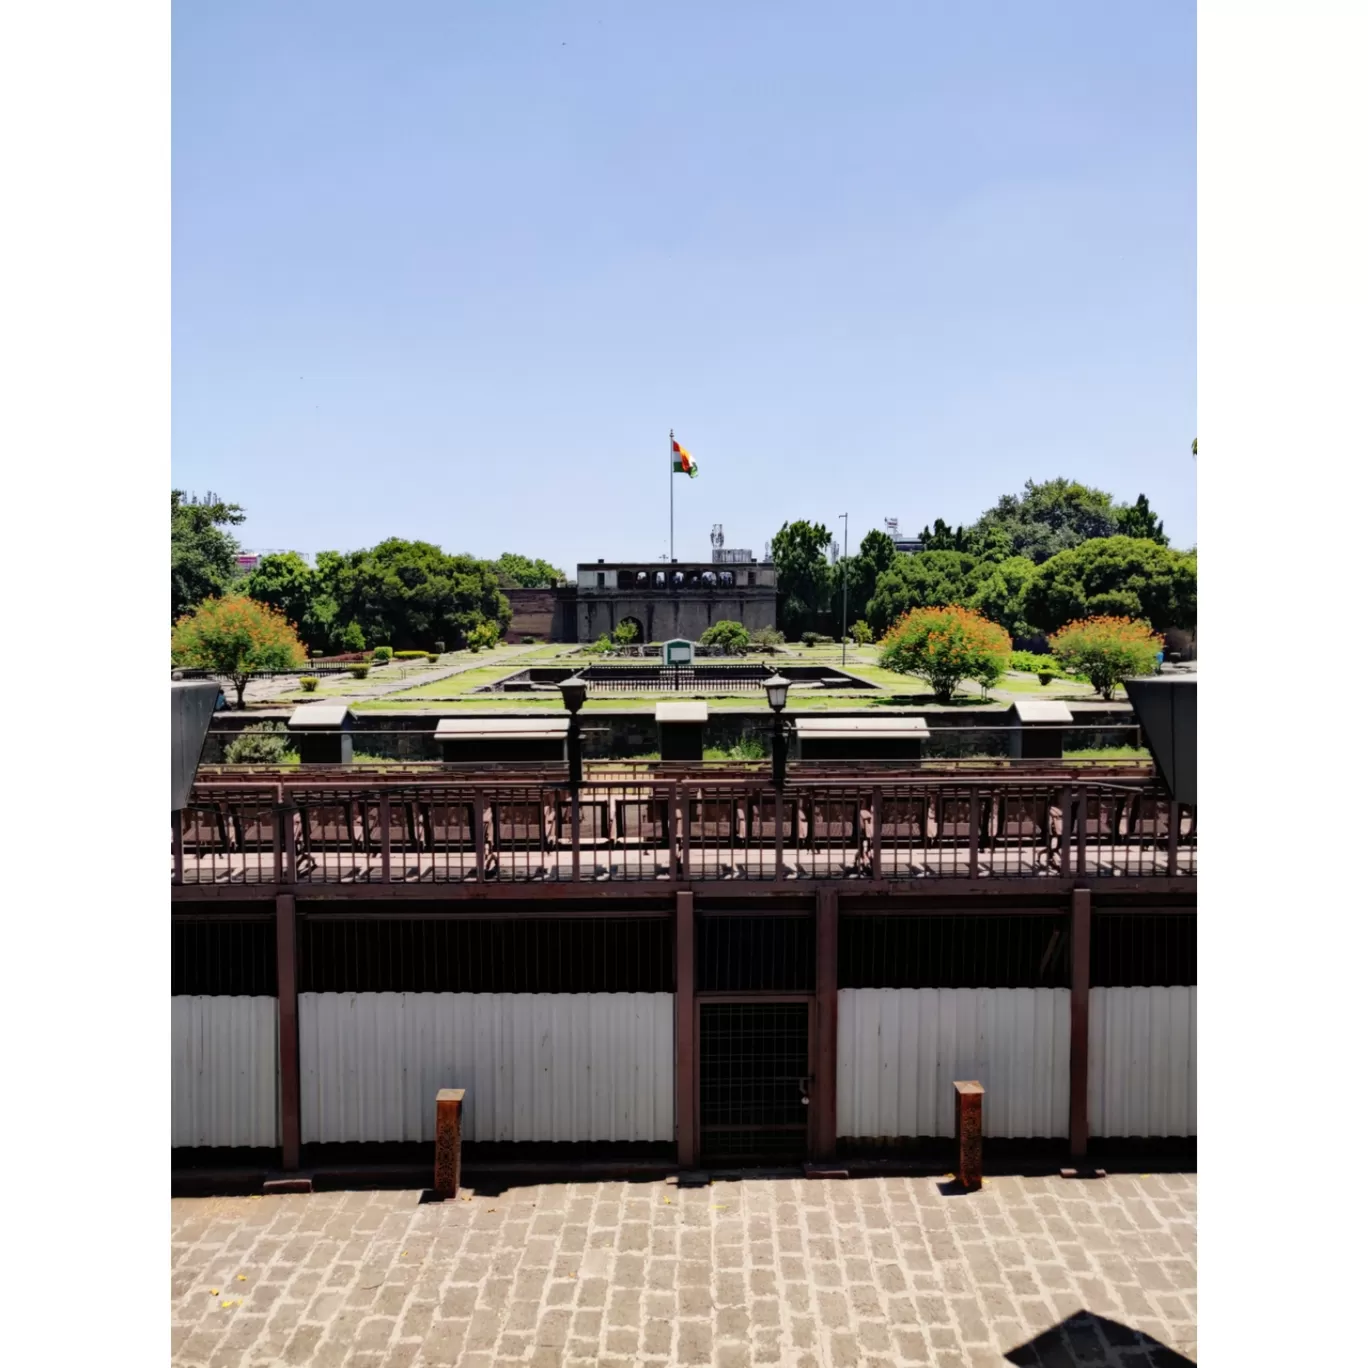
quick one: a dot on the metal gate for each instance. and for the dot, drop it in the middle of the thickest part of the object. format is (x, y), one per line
(754, 1081)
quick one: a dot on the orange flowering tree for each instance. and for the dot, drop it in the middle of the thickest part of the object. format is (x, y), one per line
(946, 646)
(234, 636)
(1107, 649)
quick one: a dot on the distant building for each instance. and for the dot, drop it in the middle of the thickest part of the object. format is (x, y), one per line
(547, 614)
(673, 599)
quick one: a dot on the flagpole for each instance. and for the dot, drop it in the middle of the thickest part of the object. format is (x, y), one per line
(671, 469)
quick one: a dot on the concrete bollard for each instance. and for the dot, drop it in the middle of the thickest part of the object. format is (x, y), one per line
(446, 1171)
(969, 1135)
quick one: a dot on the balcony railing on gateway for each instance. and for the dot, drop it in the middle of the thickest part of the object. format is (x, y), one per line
(659, 827)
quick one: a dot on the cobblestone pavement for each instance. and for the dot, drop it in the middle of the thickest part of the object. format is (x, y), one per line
(874, 1271)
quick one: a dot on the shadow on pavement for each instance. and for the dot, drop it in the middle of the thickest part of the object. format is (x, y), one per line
(1088, 1339)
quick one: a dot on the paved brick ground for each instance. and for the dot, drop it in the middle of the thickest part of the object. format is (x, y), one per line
(876, 1271)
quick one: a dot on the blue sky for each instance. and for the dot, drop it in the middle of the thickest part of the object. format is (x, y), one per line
(453, 271)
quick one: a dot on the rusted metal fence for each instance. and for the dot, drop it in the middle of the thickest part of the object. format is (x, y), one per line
(725, 825)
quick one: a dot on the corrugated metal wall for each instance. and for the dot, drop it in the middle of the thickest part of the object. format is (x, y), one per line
(1142, 1061)
(224, 1080)
(535, 1066)
(899, 1050)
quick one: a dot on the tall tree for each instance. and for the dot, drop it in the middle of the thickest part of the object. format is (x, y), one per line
(286, 581)
(933, 579)
(203, 557)
(999, 592)
(409, 594)
(862, 571)
(515, 571)
(1137, 520)
(1045, 519)
(802, 574)
(1115, 577)
(942, 538)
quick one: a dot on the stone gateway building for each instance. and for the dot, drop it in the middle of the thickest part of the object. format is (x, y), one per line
(673, 599)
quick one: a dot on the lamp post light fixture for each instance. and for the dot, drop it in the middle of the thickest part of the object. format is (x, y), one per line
(777, 687)
(574, 691)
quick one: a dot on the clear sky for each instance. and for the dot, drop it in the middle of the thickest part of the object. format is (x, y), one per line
(453, 270)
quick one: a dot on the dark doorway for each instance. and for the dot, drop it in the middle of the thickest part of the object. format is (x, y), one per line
(754, 1078)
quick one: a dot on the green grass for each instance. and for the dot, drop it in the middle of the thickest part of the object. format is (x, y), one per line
(1109, 753)
(1056, 688)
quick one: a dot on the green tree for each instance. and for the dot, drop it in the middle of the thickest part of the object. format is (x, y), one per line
(1137, 520)
(1117, 577)
(234, 637)
(1044, 520)
(803, 575)
(1106, 650)
(941, 538)
(946, 646)
(1000, 592)
(731, 636)
(931, 579)
(876, 554)
(410, 593)
(286, 581)
(515, 571)
(861, 633)
(203, 556)
(625, 633)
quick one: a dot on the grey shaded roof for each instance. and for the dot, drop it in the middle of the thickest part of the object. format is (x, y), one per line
(847, 728)
(1042, 710)
(1166, 706)
(681, 712)
(192, 709)
(503, 728)
(329, 716)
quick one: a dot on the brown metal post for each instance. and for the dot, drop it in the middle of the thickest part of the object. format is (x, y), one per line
(287, 1005)
(1175, 823)
(277, 839)
(824, 1066)
(973, 833)
(446, 1165)
(574, 835)
(969, 1135)
(479, 836)
(876, 843)
(685, 1046)
(1080, 951)
(385, 818)
(177, 849)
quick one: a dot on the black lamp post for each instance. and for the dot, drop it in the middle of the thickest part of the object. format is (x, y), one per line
(574, 691)
(777, 687)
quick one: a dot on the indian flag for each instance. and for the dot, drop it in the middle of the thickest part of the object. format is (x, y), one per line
(681, 463)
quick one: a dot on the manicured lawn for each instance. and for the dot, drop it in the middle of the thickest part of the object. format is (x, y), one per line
(1056, 688)
(1109, 753)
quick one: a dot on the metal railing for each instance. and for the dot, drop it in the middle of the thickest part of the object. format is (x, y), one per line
(660, 827)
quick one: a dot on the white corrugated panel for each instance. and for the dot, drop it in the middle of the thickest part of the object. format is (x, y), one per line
(1142, 1061)
(535, 1066)
(900, 1050)
(224, 1079)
